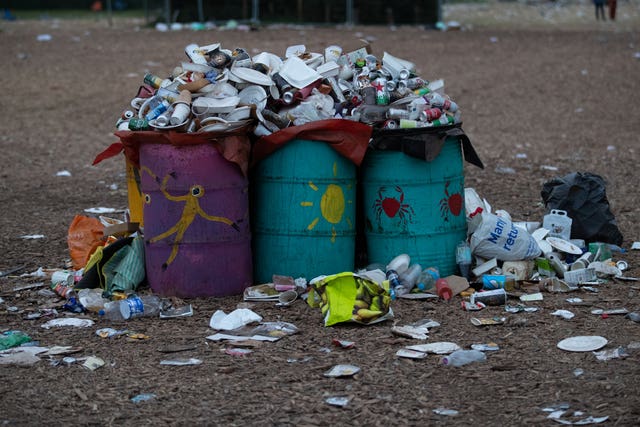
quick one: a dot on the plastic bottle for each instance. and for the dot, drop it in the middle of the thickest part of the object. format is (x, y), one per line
(399, 264)
(394, 282)
(111, 311)
(463, 357)
(427, 280)
(410, 277)
(159, 109)
(139, 306)
(443, 289)
(91, 299)
(463, 258)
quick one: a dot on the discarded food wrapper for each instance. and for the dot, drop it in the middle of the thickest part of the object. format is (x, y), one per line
(487, 321)
(612, 311)
(442, 347)
(343, 343)
(92, 363)
(266, 331)
(184, 311)
(340, 401)
(532, 297)
(446, 412)
(234, 320)
(68, 321)
(239, 338)
(263, 292)
(616, 353)
(19, 358)
(565, 314)
(469, 306)
(181, 362)
(635, 317)
(582, 343)
(519, 308)
(349, 297)
(342, 371)
(143, 397)
(408, 331)
(235, 351)
(58, 350)
(410, 354)
(109, 332)
(557, 415)
(486, 347)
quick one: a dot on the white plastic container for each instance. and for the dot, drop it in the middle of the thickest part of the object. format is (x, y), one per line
(558, 224)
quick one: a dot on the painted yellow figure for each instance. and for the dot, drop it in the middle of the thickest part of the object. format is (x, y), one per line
(332, 205)
(191, 210)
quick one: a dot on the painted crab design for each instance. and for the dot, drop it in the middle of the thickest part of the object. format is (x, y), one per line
(450, 203)
(391, 202)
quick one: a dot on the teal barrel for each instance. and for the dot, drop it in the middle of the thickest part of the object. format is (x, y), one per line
(414, 206)
(303, 212)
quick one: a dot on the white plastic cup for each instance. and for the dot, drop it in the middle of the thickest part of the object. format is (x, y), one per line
(180, 112)
(62, 276)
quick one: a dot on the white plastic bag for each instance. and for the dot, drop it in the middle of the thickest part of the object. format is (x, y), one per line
(497, 237)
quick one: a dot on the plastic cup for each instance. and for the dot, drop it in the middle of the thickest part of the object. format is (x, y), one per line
(65, 277)
(180, 112)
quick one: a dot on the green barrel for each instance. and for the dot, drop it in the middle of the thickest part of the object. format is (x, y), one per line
(415, 206)
(303, 212)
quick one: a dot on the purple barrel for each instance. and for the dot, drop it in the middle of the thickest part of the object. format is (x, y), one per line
(196, 221)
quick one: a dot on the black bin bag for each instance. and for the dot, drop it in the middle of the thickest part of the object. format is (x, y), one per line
(582, 195)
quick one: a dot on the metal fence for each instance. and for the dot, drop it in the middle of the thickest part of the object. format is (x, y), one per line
(365, 12)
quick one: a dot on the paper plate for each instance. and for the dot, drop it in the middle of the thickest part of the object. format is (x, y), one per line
(223, 125)
(436, 347)
(205, 104)
(583, 343)
(297, 73)
(564, 245)
(240, 113)
(254, 95)
(250, 75)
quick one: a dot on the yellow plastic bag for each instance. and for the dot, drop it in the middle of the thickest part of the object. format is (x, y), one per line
(346, 297)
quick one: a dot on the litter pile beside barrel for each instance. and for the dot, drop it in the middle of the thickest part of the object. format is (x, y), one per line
(241, 167)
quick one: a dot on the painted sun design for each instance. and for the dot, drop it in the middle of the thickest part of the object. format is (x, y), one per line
(332, 205)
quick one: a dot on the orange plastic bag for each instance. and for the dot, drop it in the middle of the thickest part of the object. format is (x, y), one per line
(84, 236)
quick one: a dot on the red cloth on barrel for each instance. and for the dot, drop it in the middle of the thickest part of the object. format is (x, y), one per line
(233, 146)
(347, 137)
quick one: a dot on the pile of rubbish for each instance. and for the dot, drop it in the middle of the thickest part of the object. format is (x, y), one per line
(218, 89)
